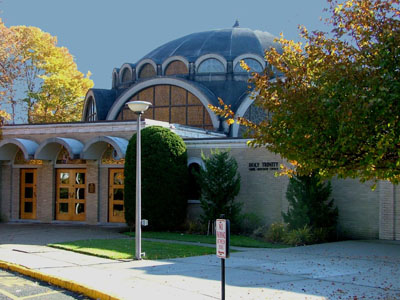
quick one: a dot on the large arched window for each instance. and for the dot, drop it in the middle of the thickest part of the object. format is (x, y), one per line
(171, 104)
(253, 64)
(175, 68)
(147, 71)
(91, 112)
(211, 65)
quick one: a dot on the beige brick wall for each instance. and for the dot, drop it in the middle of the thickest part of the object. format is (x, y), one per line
(45, 192)
(389, 211)
(92, 198)
(358, 208)
(261, 192)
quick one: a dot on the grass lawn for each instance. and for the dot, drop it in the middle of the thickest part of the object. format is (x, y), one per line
(125, 249)
(236, 240)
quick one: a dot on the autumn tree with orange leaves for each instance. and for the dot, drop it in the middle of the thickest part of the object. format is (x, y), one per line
(336, 107)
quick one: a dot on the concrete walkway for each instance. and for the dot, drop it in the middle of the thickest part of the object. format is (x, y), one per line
(343, 270)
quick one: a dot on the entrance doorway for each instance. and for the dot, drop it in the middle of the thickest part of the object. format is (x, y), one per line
(28, 194)
(71, 194)
(116, 211)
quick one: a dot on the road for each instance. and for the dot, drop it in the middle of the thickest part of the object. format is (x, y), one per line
(18, 287)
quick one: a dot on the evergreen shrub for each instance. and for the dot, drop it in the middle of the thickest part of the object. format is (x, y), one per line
(310, 206)
(220, 183)
(276, 233)
(164, 179)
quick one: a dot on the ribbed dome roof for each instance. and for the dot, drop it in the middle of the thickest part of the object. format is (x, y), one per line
(228, 43)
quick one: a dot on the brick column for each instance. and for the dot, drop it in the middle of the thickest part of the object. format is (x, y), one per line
(92, 198)
(45, 191)
(387, 210)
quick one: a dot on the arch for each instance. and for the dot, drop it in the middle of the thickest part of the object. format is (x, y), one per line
(203, 58)
(143, 63)
(126, 73)
(10, 147)
(240, 113)
(195, 160)
(115, 76)
(95, 148)
(113, 112)
(49, 148)
(89, 106)
(171, 59)
(250, 56)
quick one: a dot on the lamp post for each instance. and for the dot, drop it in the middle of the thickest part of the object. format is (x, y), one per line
(138, 107)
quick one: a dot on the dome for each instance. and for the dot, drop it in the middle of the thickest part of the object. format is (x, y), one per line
(229, 43)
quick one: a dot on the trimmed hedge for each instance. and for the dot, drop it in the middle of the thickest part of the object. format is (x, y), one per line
(164, 179)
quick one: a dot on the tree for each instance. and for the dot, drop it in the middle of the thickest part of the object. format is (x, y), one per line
(53, 87)
(309, 204)
(164, 179)
(335, 106)
(220, 184)
(9, 67)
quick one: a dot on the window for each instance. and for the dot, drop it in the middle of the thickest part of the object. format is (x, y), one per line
(91, 113)
(254, 66)
(211, 65)
(176, 67)
(147, 71)
(193, 184)
(171, 104)
(126, 75)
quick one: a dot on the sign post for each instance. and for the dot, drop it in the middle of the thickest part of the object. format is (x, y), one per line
(222, 229)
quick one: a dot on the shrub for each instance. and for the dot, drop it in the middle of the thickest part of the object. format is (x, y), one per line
(220, 183)
(322, 235)
(309, 204)
(260, 232)
(299, 237)
(276, 233)
(249, 222)
(195, 227)
(164, 179)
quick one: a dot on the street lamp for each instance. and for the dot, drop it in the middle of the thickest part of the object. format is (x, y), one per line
(138, 107)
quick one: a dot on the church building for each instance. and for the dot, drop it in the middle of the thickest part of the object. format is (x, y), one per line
(73, 172)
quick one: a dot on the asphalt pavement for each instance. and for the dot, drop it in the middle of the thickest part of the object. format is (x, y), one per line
(342, 270)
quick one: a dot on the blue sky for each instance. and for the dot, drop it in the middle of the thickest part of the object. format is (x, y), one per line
(103, 34)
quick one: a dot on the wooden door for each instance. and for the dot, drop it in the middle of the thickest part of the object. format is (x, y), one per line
(116, 212)
(71, 194)
(28, 194)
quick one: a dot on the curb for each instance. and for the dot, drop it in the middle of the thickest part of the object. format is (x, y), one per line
(65, 284)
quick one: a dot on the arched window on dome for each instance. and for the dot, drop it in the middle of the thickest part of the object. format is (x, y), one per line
(91, 112)
(176, 67)
(147, 71)
(211, 65)
(171, 104)
(253, 64)
(126, 75)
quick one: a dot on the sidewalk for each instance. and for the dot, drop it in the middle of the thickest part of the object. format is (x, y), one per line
(329, 271)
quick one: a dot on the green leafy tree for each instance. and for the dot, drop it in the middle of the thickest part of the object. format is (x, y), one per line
(164, 179)
(309, 204)
(220, 184)
(335, 106)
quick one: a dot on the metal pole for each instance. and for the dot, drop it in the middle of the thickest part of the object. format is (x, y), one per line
(222, 278)
(138, 232)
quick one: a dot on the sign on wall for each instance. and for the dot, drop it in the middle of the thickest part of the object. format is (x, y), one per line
(264, 166)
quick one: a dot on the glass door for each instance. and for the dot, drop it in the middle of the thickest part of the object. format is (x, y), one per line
(116, 212)
(28, 194)
(71, 195)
